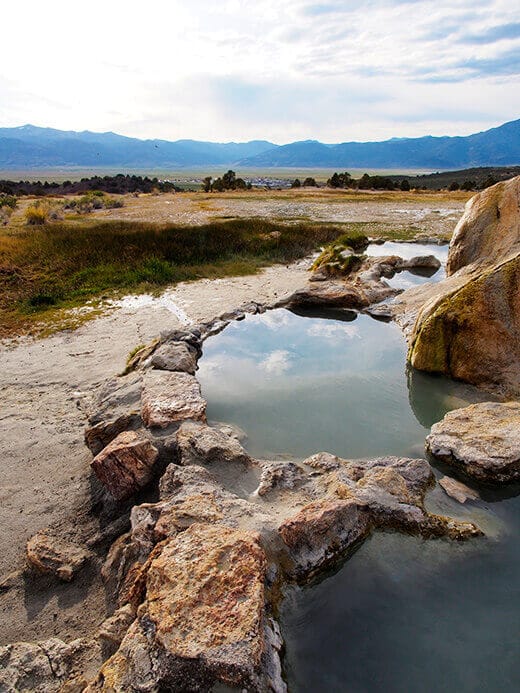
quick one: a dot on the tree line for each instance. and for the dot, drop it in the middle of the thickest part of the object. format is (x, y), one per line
(116, 185)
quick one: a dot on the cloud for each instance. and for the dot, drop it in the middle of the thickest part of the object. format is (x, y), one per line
(330, 70)
(493, 34)
(277, 362)
(334, 331)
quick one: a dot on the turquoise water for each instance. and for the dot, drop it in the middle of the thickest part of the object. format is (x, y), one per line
(402, 615)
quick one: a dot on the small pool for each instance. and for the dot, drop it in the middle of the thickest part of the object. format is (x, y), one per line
(298, 385)
(407, 279)
(403, 614)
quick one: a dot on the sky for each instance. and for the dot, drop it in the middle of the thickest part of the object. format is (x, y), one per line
(281, 70)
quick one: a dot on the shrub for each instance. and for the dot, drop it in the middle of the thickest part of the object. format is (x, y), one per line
(8, 201)
(310, 183)
(354, 241)
(296, 183)
(36, 215)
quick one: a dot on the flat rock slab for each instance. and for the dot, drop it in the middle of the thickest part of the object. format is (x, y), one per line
(126, 464)
(175, 356)
(483, 440)
(171, 397)
(457, 490)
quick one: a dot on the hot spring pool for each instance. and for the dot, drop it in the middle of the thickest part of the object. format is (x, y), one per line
(402, 614)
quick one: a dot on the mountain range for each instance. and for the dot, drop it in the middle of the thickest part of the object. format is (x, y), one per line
(29, 146)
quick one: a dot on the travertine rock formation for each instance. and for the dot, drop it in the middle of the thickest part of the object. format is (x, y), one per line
(468, 326)
(483, 440)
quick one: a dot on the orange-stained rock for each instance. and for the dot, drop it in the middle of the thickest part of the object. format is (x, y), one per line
(126, 464)
(203, 620)
(170, 397)
(47, 553)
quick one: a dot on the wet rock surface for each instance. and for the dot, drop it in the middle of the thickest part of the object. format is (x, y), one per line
(482, 440)
(457, 490)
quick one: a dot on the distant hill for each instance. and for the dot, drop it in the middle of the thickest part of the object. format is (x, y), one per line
(497, 147)
(34, 147)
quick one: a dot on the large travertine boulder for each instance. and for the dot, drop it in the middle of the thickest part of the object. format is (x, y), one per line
(468, 326)
(489, 230)
(203, 620)
(483, 440)
(473, 333)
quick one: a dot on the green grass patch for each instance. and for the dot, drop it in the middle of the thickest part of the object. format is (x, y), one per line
(64, 264)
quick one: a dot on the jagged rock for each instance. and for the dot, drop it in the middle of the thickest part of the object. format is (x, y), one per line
(168, 398)
(231, 315)
(202, 444)
(483, 440)
(457, 490)
(175, 356)
(193, 632)
(116, 409)
(126, 464)
(192, 337)
(320, 532)
(47, 553)
(279, 475)
(41, 667)
(113, 629)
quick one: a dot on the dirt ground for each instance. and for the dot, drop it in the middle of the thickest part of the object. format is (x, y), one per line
(432, 213)
(45, 387)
